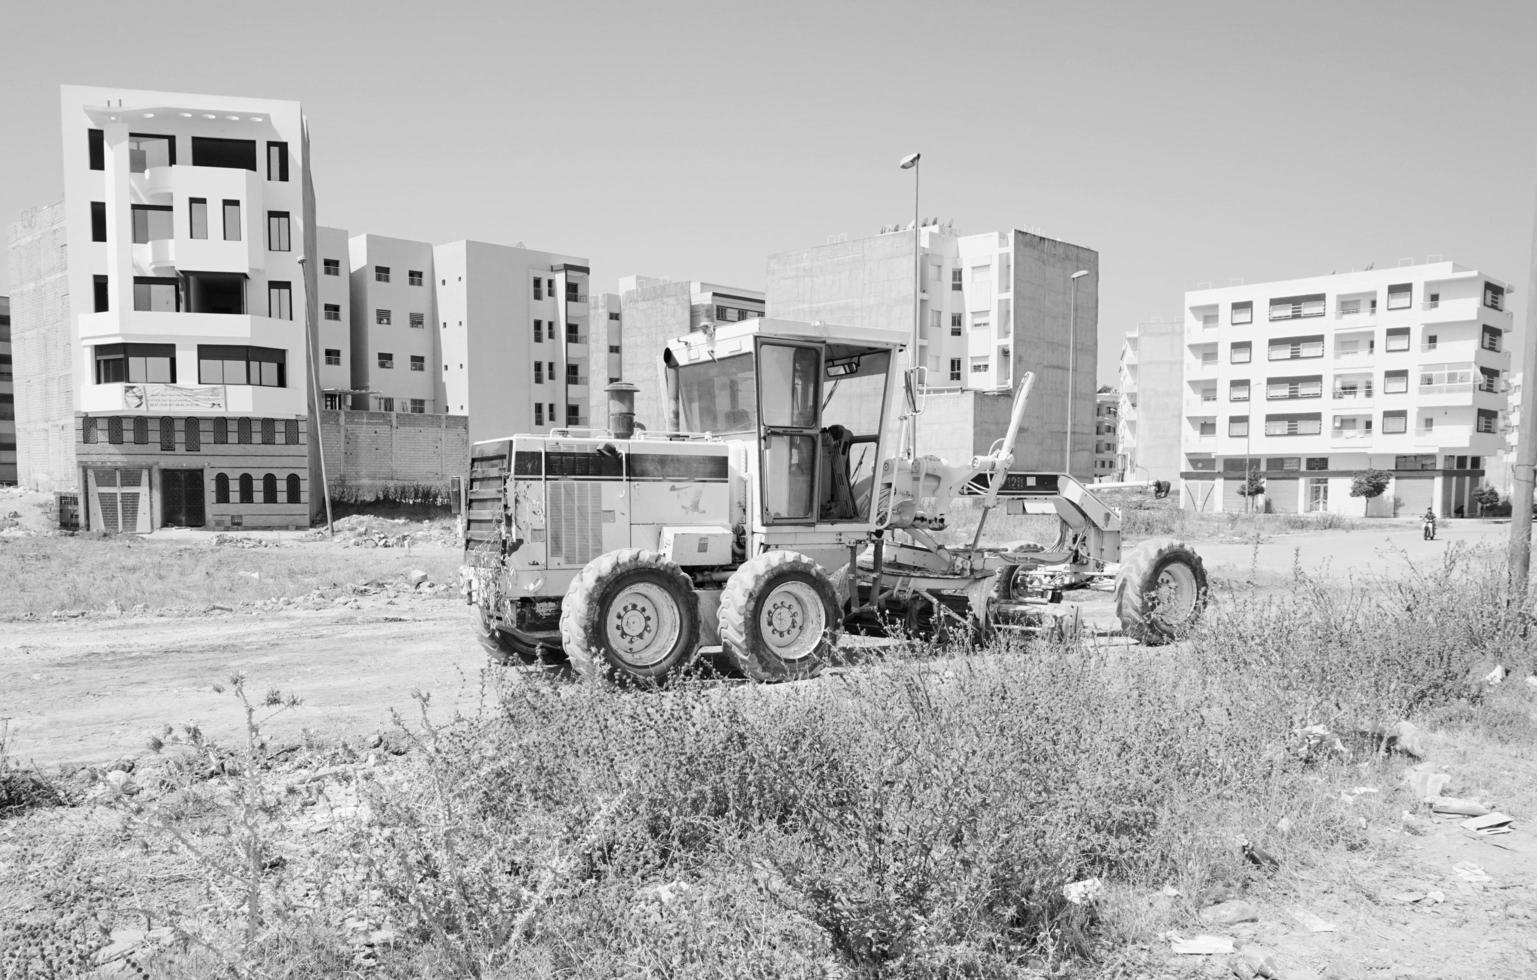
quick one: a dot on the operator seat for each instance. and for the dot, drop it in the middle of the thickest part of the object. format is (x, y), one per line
(836, 492)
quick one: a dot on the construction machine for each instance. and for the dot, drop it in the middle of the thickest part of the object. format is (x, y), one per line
(781, 503)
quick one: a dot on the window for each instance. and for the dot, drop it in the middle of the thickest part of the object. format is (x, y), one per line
(333, 357)
(243, 432)
(1289, 388)
(418, 321)
(418, 362)
(1238, 426)
(221, 488)
(98, 221)
(220, 432)
(979, 365)
(1352, 387)
(613, 316)
(381, 273)
(192, 435)
(1238, 391)
(956, 279)
(333, 401)
(96, 148)
(232, 221)
(291, 431)
(140, 430)
(152, 223)
(146, 151)
(418, 406)
(1293, 425)
(1006, 365)
(331, 267)
(573, 374)
(293, 488)
(277, 161)
(1243, 312)
(538, 288)
(333, 311)
(538, 372)
(1415, 462)
(1427, 425)
(277, 232)
(386, 404)
(1316, 463)
(136, 363)
(1395, 382)
(270, 488)
(382, 317)
(1297, 307)
(413, 277)
(1490, 340)
(1398, 339)
(1431, 342)
(1400, 296)
(573, 414)
(1241, 353)
(269, 432)
(210, 151)
(247, 489)
(538, 413)
(115, 430)
(1488, 420)
(614, 349)
(99, 288)
(955, 324)
(572, 336)
(1394, 423)
(280, 300)
(538, 331)
(237, 365)
(1489, 380)
(152, 294)
(1296, 348)
(1283, 464)
(1206, 428)
(197, 217)
(386, 360)
(955, 369)
(1494, 296)
(549, 410)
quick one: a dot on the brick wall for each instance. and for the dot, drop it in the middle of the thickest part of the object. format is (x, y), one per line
(370, 452)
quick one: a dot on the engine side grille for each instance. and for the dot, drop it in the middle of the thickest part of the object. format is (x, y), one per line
(574, 516)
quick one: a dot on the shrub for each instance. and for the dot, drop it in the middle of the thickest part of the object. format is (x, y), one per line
(1370, 483)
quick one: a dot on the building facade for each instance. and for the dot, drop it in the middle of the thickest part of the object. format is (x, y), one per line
(7, 398)
(1151, 408)
(396, 348)
(1304, 383)
(990, 307)
(181, 305)
(1107, 407)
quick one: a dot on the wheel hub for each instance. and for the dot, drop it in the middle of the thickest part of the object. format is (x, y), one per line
(791, 620)
(634, 623)
(783, 619)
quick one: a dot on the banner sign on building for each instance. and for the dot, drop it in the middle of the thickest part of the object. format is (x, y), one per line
(165, 398)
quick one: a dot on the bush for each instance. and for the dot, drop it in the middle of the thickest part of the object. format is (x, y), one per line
(1370, 483)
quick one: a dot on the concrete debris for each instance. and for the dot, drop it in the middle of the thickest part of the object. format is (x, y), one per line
(1312, 922)
(1409, 740)
(416, 577)
(1497, 675)
(1426, 785)
(1229, 914)
(1202, 945)
(1471, 873)
(122, 782)
(1466, 808)
(1083, 892)
(1489, 824)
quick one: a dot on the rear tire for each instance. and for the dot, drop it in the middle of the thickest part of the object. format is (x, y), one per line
(632, 617)
(1160, 591)
(779, 618)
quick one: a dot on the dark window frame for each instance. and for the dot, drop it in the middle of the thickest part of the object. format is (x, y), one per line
(279, 231)
(277, 154)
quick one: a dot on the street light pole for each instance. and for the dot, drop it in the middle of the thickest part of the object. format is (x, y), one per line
(910, 162)
(310, 349)
(1072, 366)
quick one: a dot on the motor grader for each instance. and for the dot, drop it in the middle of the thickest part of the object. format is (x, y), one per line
(780, 505)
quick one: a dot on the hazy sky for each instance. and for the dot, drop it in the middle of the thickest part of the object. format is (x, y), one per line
(1188, 142)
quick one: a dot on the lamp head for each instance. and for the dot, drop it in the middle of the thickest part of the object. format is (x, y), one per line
(910, 161)
(1079, 274)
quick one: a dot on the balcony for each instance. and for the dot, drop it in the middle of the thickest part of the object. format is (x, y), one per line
(1353, 395)
(1449, 310)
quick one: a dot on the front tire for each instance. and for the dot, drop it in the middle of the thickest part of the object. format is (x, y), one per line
(1160, 591)
(632, 617)
(779, 617)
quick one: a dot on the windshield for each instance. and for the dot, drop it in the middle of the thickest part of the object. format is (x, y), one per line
(718, 396)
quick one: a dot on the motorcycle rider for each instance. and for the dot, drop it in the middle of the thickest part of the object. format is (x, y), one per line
(1430, 524)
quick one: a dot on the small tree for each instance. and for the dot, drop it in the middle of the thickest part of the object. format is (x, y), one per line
(1253, 486)
(1370, 484)
(1486, 497)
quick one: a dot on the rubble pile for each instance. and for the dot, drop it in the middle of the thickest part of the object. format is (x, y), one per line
(368, 531)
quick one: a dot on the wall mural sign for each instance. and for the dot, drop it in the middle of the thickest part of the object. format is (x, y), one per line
(163, 397)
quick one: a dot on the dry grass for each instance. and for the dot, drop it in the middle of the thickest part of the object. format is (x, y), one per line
(86, 573)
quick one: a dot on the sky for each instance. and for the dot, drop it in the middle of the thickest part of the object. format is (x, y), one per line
(1189, 143)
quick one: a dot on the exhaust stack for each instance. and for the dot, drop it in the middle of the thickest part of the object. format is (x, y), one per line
(621, 409)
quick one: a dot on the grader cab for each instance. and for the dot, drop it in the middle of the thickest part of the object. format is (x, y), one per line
(779, 502)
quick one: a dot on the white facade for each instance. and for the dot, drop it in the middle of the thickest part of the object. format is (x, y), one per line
(1310, 381)
(333, 319)
(1148, 421)
(396, 363)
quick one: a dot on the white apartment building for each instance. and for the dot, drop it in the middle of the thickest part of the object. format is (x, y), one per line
(1311, 381)
(333, 294)
(181, 305)
(396, 351)
(1150, 415)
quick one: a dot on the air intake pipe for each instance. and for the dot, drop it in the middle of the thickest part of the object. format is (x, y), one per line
(621, 409)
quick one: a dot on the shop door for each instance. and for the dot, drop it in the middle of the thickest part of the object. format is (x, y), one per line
(181, 498)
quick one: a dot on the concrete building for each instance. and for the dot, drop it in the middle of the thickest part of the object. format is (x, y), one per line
(396, 359)
(333, 293)
(7, 398)
(178, 303)
(1149, 418)
(655, 311)
(991, 307)
(1310, 381)
(605, 358)
(1107, 405)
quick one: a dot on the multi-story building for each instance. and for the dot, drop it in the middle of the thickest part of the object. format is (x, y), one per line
(1151, 410)
(7, 398)
(181, 303)
(1107, 404)
(991, 307)
(396, 349)
(655, 311)
(333, 333)
(1311, 381)
(605, 359)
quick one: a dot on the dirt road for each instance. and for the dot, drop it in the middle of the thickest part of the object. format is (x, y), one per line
(90, 689)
